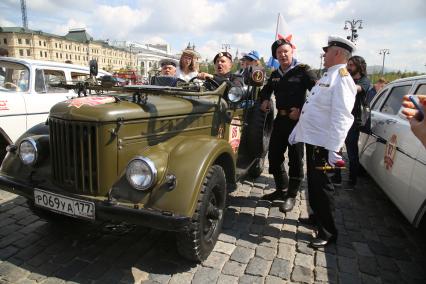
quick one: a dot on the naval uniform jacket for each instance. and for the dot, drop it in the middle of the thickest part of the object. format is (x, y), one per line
(326, 115)
(290, 87)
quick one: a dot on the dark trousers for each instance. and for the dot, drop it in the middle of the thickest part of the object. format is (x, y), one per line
(321, 192)
(351, 143)
(277, 147)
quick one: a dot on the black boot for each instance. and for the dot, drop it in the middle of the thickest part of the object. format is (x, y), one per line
(281, 184)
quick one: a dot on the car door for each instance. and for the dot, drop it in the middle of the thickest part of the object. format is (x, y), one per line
(393, 157)
(12, 103)
(45, 96)
(416, 203)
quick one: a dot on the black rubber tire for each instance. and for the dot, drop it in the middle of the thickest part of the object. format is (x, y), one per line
(257, 168)
(197, 243)
(258, 131)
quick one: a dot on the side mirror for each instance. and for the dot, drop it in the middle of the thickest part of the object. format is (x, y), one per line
(254, 76)
(93, 65)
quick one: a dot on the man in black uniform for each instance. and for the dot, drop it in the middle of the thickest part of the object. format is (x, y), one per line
(357, 68)
(223, 65)
(289, 84)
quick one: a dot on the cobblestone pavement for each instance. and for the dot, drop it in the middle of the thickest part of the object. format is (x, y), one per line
(259, 244)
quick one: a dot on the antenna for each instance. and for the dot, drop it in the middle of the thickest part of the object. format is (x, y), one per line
(24, 14)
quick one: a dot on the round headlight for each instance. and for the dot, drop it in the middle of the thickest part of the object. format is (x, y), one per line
(235, 94)
(28, 151)
(141, 173)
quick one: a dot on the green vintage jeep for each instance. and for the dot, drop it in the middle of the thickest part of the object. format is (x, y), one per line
(163, 157)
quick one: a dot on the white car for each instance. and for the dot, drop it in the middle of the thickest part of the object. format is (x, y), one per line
(25, 95)
(392, 155)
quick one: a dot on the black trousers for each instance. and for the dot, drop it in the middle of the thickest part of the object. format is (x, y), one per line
(321, 191)
(277, 147)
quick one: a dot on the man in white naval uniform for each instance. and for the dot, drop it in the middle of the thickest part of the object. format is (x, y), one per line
(323, 124)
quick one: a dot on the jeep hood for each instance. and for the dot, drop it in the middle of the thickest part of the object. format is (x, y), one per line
(110, 108)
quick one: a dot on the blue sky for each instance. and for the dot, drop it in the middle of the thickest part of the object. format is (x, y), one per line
(245, 25)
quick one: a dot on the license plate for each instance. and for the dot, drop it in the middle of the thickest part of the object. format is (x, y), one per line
(65, 205)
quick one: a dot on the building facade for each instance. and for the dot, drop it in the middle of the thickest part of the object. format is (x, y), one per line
(77, 47)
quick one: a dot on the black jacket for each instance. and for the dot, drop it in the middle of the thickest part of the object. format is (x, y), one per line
(289, 88)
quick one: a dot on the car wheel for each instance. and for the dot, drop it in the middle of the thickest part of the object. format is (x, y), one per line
(197, 243)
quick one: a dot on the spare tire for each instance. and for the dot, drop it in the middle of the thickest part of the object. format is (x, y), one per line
(258, 131)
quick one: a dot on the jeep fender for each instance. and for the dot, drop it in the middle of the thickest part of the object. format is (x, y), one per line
(189, 160)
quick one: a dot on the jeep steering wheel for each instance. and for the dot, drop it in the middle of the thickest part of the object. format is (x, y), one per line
(209, 83)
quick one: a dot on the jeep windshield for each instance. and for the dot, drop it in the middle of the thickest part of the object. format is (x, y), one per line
(14, 77)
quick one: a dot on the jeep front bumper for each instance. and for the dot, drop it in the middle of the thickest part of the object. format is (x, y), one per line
(106, 210)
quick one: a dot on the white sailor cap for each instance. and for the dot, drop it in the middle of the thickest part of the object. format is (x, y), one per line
(334, 40)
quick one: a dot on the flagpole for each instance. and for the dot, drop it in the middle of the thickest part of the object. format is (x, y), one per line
(276, 30)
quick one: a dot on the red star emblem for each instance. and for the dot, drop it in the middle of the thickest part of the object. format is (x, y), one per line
(91, 101)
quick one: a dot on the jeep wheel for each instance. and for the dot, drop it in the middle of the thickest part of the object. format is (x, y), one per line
(197, 243)
(259, 131)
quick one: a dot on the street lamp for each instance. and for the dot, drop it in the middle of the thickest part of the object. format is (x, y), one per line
(384, 51)
(320, 67)
(353, 26)
(226, 46)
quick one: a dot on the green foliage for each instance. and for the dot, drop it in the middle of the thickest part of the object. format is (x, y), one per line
(391, 76)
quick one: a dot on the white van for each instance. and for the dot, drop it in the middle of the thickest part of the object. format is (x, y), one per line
(25, 95)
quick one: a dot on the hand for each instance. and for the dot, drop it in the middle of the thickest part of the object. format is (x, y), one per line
(265, 106)
(294, 113)
(335, 160)
(204, 76)
(417, 126)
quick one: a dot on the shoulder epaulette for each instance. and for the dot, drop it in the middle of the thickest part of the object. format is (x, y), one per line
(343, 72)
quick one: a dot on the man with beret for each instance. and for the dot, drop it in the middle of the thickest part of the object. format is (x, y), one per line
(168, 67)
(323, 125)
(222, 65)
(289, 83)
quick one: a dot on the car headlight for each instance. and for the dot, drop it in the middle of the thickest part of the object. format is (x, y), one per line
(141, 173)
(28, 151)
(235, 94)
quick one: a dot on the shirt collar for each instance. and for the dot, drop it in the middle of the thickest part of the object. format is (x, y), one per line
(291, 66)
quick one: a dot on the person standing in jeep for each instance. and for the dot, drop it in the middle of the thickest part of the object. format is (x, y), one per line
(289, 82)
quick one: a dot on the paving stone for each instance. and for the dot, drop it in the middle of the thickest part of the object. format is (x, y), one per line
(265, 252)
(346, 252)
(227, 279)
(325, 275)
(53, 280)
(181, 278)
(248, 240)
(250, 279)
(368, 279)
(368, 265)
(303, 260)
(347, 265)
(348, 278)
(411, 269)
(387, 263)
(288, 237)
(258, 266)
(23, 281)
(273, 280)
(69, 271)
(216, 260)
(206, 275)
(11, 272)
(286, 251)
(378, 248)
(223, 247)
(281, 268)
(7, 252)
(268, 241)
(362, 249)
(36, 277)
(326, 260)
(242, 254)
(234, 268)
(227, 238)
(304, 248)
(302, 274)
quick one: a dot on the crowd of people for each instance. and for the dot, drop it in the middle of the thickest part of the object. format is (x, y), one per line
(319, 115)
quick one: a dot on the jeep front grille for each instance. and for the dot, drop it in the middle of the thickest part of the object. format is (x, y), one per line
(74, 154)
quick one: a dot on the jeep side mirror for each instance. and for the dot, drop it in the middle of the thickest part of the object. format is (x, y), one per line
(93, 65)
